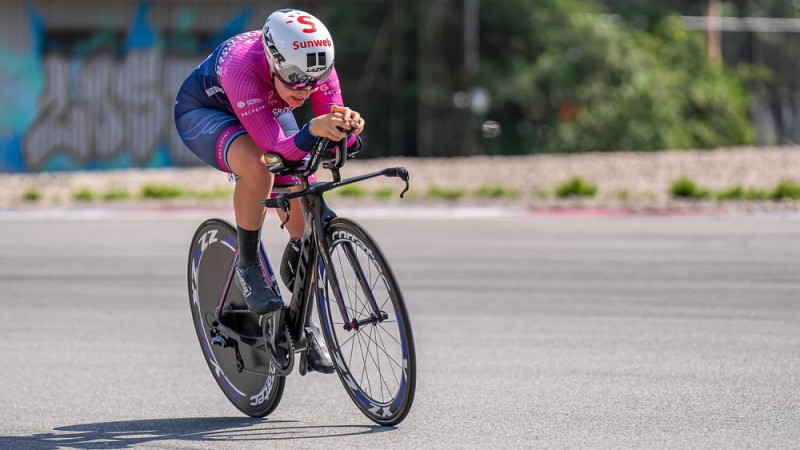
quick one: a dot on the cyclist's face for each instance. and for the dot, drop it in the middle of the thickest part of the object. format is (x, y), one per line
(295, 98)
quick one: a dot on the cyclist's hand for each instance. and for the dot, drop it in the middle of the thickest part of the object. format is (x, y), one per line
(328, 125)
(352, 119)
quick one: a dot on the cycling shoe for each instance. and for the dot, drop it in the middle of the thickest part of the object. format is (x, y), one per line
(257, 294)
(318, 359)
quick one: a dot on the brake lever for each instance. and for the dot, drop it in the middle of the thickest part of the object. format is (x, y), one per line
(282, 203)
(285, 206)
(399, 172)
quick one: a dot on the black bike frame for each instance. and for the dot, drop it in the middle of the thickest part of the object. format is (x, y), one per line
(317, 215)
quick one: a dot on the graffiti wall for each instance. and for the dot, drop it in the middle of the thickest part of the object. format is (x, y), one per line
(99, 98)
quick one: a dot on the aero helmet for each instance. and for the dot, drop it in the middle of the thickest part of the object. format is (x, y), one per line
(299, 48)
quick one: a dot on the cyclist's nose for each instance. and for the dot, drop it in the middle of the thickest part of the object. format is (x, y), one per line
(310, 91)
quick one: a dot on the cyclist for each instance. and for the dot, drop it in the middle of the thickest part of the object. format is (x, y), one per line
(237, 105)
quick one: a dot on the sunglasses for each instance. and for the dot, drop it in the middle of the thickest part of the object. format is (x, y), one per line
(297, 80)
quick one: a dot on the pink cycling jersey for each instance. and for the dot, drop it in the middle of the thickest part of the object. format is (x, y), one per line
(243, 73)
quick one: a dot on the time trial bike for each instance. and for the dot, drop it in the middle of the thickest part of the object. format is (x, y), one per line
(363, 317)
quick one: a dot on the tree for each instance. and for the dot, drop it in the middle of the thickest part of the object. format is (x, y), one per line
(565, 78)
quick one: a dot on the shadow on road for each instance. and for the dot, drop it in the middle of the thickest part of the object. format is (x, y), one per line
(211, 429)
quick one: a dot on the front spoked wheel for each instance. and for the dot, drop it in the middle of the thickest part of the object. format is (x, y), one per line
(366, 325)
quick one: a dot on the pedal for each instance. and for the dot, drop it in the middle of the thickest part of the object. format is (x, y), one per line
(218, 339)
(303, 365)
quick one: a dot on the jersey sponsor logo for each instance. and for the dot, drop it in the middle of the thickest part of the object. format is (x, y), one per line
(278, 111)
(312, 43)
(251, 102)
(250, 112)
(213, 90)
(330, 87)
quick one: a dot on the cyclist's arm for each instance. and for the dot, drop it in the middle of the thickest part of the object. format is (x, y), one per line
(256, 109)
(328, 95)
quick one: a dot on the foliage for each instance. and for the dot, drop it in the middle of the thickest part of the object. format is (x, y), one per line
(496, 192)
(83, 195)
(787, 190)
(218, 193)
(685, 187)
(576, 187)
(437, 192)
(32, 195)
(116, 194)
(377, 64)
(351, 190)
(385, 192)
(741, 193)
(161, 191)
(564, 78)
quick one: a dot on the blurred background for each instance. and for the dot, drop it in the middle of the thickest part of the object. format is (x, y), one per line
(90, 84)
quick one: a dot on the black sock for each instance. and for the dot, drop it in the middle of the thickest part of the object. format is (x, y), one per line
(248, 246)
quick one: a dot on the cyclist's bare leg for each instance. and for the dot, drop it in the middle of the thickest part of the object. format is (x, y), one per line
(254, 183)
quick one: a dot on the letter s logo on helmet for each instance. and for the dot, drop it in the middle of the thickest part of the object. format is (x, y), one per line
(299, 48)
(306, 20)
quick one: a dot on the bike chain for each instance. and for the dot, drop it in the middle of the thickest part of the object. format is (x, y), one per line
(240, 364)
(238, 311)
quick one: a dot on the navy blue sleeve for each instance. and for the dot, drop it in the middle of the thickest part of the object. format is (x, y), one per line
(304, 140)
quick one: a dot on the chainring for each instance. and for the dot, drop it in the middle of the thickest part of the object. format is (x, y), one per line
(282, 354)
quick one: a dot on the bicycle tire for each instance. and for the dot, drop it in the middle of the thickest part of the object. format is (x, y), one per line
(365, 356)
(256, 390)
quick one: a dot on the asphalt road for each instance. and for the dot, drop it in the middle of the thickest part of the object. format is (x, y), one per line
(532, 331)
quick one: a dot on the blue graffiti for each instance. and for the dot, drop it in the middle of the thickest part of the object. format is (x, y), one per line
(84, 108)
(142, 34)
(20, 73)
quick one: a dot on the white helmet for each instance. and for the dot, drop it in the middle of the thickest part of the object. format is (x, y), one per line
(299, 48)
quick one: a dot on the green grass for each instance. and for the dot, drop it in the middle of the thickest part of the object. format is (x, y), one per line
(622, 195)
(686, 188)
(437, 192)
(540, 194)
(741, 193)
(496, 192)
(32, 195)
(116, 195)
(83, 195)
(387, 193)
(219, 193)
(786, 190)
(734, 193)
(352, 190)
(161, 191)
(576, 187)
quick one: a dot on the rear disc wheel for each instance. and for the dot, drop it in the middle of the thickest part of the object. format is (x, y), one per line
(243, 372)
